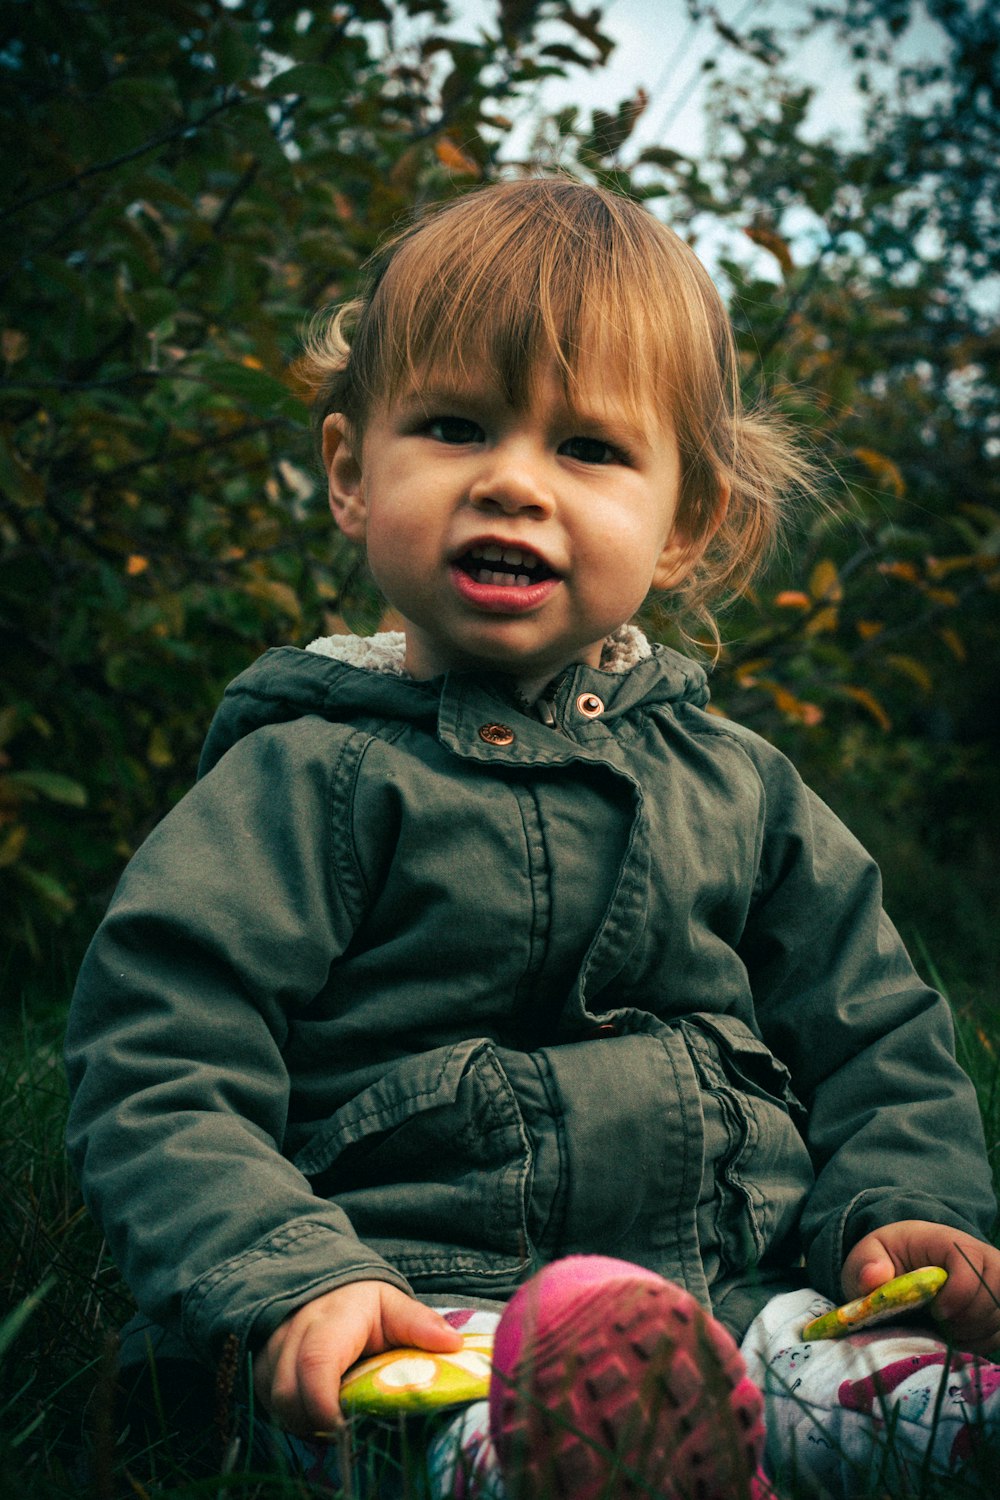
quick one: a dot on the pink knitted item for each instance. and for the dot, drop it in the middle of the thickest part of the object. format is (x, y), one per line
(610, 1382)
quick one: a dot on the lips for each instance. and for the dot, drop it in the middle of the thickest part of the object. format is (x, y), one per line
(501, 578)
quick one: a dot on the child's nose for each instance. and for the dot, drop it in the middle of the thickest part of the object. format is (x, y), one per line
(512, 481)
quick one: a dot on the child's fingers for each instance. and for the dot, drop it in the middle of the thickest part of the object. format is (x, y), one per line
(298, 1372)
(333, 1342)
(406, 1321)
(300, 1368)
(867, 1266)
(326, 1350)
(304, 1382)
(967, 1308)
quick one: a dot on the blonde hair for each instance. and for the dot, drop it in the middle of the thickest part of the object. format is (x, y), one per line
(510, 276)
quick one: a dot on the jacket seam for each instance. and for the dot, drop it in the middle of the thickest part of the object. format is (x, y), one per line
(341, 792)
(540, 875)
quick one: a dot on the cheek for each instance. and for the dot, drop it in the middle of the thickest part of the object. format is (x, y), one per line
(396, 547)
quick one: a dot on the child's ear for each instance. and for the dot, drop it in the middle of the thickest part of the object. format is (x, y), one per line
(343, 470)
(683, 549)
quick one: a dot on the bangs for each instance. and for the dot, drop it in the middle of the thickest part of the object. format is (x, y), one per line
(530, 275)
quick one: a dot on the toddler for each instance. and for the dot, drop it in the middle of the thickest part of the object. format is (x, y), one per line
(486, 979)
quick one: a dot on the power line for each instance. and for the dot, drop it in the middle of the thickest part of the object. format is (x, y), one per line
(697, 79)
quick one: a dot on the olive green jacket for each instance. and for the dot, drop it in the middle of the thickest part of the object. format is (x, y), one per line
(418, 987)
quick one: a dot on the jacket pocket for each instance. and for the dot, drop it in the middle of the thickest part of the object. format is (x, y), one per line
(757, 1169)
(432, 1165)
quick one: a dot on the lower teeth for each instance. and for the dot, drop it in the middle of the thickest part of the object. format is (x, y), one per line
(510, 580)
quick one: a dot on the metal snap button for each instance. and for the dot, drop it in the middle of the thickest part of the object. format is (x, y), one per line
(589, 705)
(496, 734)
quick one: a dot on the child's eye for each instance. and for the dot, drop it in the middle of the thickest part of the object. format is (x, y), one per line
(456, 430)
(592, 450)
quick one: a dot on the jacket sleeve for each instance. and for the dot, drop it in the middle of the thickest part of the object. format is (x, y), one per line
(226, 921)
(893, 1125)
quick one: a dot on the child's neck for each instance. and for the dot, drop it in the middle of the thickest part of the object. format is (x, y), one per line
(530, 689)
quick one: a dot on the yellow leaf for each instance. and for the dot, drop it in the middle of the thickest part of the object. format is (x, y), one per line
(792, 599)
(947, 597)
(823, 620)
(9, 717)
(251, 362)
(869, 702)
(883, 470)
(455, 159)
(272, 591)
(158, 751)
(984, 514)
(404, 171)
(867, 629)
(824, 582)
(905, 570)
(915, 670)
(954, 642)
(940, 567)
(135, 565)
(768, 239)
(342, 206)
(12, 844)
(746, 672)
(335, 624)
(13, 345)
(799, 709)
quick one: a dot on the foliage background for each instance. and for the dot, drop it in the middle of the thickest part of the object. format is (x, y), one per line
(182, 184)
(186, 182)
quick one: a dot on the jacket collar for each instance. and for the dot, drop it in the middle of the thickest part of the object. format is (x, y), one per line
(349, 678)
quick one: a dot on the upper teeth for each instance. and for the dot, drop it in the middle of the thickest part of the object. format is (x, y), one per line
(512, 555)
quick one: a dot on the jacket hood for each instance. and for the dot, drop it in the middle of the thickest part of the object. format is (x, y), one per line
(342, 677)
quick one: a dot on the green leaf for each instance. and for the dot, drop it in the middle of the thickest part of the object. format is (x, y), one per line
(15, 1320)
(234, 51)
(659, 156)
(566, 54)
(51, 785)
(17, 479)
(256, 388)
(55, 896)
(313, 80)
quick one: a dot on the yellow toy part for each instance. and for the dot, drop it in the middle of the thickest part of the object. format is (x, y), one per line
(416, 1380)
(901, 1294)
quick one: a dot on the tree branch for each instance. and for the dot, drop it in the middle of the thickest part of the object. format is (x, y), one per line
(176, 131)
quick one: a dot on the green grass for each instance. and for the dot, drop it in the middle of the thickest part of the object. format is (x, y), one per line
(60, 1429)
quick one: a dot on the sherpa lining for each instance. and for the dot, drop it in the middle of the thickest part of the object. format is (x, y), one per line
(385, 652)
(372, 653)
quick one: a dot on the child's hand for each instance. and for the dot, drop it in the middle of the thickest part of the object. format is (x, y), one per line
(967, 1306)
(296, 1375)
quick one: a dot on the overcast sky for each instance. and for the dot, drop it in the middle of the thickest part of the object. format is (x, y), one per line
(660, 49)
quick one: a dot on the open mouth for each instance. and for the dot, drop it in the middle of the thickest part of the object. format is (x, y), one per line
(508, 567)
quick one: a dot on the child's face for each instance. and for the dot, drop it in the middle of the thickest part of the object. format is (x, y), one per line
(511, 539)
